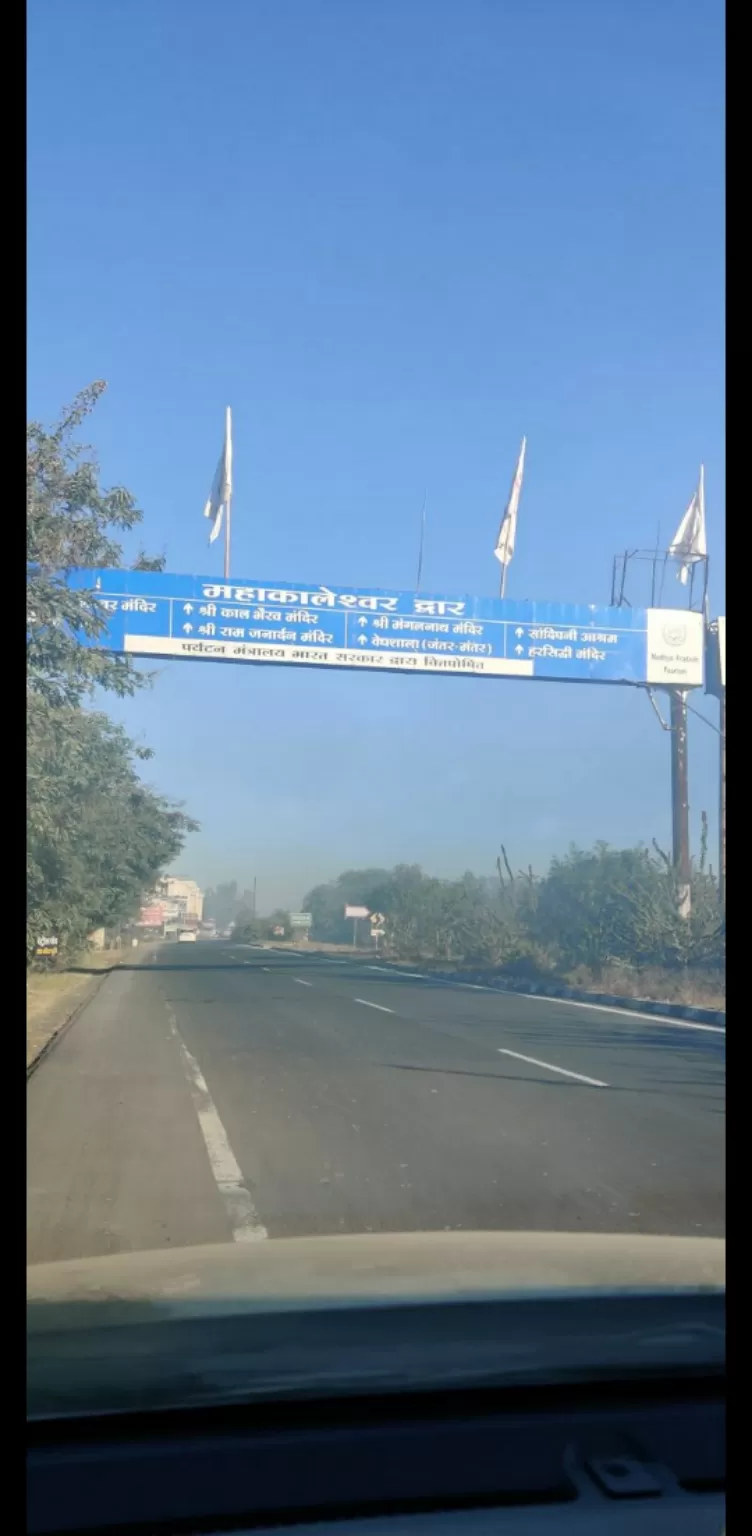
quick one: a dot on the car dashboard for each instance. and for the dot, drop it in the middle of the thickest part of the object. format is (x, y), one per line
(400, 1436)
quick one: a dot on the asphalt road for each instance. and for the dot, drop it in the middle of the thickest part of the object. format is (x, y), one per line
(219, 1091)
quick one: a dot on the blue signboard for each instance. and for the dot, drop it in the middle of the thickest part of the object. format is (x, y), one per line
(202, 618)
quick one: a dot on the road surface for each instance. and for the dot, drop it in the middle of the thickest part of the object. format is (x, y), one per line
(214, 1091)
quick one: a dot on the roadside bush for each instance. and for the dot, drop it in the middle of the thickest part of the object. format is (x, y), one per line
(596, 912)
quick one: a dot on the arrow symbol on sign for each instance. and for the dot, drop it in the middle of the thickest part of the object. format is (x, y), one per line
(519, 632)
(187, 607)
(519, 649)
(188, 629)
(362, 639)
(362, 622)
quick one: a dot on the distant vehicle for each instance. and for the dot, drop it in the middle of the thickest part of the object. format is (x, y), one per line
(187, 936)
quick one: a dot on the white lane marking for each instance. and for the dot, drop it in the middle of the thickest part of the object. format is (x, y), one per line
(624, 1013)
(366, 1004)
(240, 1209)
(414, 975)
(266, 968)
(549, 1067)
(564, 1002)
(301, 982)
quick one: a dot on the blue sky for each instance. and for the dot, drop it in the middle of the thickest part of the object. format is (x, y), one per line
(393, 236)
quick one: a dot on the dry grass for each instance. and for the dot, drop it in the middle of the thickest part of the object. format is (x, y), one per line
(692, 989)
(322, 948)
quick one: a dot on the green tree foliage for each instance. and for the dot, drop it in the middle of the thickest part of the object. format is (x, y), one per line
(620, 905)
(71, 521)
(97, 836)
(326, 903)
(249, 929)
(278, 919)
(245, 927)
(602, 907)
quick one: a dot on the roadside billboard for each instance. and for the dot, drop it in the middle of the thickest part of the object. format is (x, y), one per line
(152, 916)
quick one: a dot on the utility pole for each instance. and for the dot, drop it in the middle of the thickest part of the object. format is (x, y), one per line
(680, 800)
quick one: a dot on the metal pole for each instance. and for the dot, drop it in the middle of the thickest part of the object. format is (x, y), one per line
(722, 805)
(228, 513)
(228, 508)
(680, 800)
(355, 932)
(422, 542)
(503, 581)
(254, 896)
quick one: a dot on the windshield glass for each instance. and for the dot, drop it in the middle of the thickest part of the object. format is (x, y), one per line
(375, 642)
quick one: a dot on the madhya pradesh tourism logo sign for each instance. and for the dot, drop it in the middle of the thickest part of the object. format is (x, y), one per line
(676, 644)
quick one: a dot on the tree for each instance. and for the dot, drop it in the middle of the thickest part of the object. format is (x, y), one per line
(593, 908)
(620, 905)
(70, 522)
(278, 919)
(97, 836)
(326, 903)
(244, 926)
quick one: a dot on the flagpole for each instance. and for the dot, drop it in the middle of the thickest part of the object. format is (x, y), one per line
(503, 581)
(228, 512)
(228, 507)
(422, 539)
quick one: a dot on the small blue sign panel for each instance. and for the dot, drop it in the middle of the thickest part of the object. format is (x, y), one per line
(201, 618)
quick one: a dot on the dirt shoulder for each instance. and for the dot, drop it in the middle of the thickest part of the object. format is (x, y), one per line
(53, 997)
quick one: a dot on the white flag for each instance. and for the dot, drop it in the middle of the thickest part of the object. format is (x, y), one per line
(508, 528)
(221, 490)
(690, 542)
